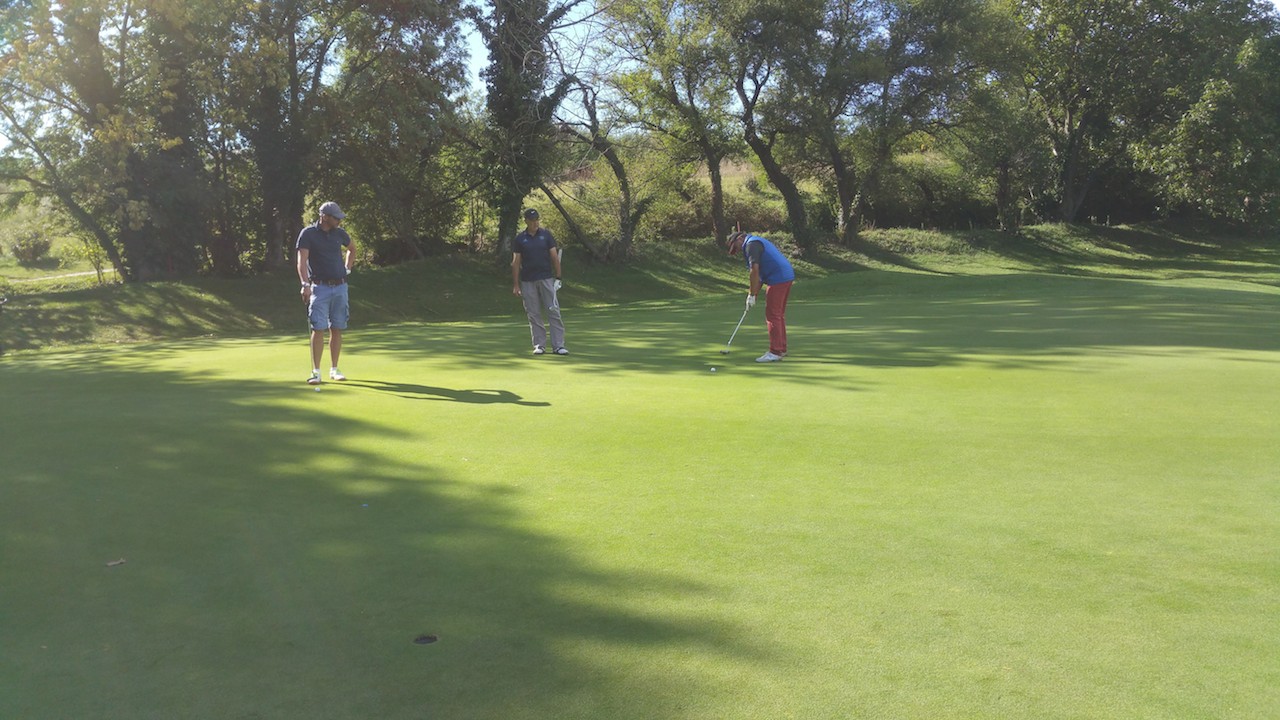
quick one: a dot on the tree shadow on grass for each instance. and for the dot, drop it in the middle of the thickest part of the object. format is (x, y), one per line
(1140, 253)
(278, 563)
(40, 322)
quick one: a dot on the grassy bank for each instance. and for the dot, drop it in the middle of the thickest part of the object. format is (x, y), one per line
(67, 312)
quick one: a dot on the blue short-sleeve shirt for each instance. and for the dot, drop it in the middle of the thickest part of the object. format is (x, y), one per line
(325, 260)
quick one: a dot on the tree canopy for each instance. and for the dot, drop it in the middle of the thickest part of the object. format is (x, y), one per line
(193, 136)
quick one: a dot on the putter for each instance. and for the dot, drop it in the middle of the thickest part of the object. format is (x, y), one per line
(725, 351)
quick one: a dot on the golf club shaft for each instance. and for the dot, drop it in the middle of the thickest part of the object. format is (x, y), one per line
(735, 329)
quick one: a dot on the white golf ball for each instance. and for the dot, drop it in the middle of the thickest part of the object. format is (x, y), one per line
(713, 369)
(317, 389)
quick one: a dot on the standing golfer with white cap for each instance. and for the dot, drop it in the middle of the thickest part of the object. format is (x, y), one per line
(325, 255)
(770, 269)
(535, 279)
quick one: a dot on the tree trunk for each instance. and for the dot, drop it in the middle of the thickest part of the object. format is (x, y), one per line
(1074, 190)
(100, 234)
(574, 229)
(1004, 197)
(796, 216)
(719, 226)
(764, 150)
(508, 224)
(846, 182)
(626, 224)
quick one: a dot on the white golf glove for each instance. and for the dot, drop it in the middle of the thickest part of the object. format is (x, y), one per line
(557, 285)
(751, 301)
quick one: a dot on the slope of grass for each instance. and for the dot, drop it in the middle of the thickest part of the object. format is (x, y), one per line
(69, 312)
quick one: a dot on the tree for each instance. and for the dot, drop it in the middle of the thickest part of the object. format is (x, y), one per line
(675, 89)
(1106, 74)
(998, 137)
(388, 119)
(1221, 156)
(520, 103)
(821, 83)
(756, 39)
(595, 135)
(95, 106)
(280, 54)
(925, 57)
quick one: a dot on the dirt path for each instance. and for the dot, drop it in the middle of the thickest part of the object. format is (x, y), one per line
(58, 277)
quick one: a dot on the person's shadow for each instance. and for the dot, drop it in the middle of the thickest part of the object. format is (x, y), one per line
(410, 391)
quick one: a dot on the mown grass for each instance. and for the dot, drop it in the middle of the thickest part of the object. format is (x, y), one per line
(972, 490)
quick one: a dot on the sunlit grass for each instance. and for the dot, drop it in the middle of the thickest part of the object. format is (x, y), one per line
(1014, 495)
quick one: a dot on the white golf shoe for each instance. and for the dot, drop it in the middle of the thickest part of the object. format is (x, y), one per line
(768, 357)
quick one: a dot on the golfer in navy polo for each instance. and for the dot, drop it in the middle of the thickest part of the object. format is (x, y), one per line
(325, 255)
(535, 279)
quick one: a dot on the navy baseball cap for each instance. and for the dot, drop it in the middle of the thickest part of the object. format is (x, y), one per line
(332, 210)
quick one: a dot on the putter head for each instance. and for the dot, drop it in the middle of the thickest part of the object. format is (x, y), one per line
(724, 351)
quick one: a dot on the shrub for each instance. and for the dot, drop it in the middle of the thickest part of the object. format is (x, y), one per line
(755, 213)
(926, 189)
(30, 247)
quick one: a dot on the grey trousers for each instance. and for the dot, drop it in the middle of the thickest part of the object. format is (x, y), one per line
(537, 295)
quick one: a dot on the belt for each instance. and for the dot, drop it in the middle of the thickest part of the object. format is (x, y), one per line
(322, 281)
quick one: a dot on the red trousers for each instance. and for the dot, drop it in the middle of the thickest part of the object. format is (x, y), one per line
(775, 316)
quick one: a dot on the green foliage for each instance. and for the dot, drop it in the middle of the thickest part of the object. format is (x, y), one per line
(87, 251)
(30, 247)
(517, 142)
(928, 189)
(185, 136)
(684, 213)
(1006, 148)
(193, 137)
(1220, 157)
(398, 170)
(756, 212)
(678, 89)
(655, 188)
(1111, 78)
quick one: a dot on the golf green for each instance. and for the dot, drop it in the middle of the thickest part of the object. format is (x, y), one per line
(1022, 496)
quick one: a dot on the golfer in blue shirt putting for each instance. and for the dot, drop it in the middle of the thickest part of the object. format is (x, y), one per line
(769, 269)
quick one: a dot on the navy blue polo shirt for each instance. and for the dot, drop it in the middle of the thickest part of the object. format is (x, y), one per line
(325, 260)
(535, 254)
